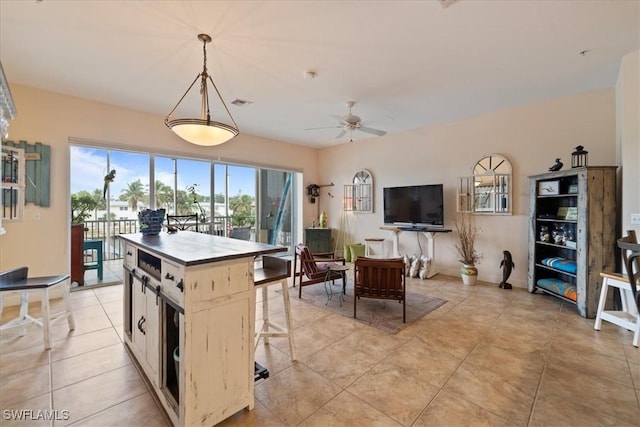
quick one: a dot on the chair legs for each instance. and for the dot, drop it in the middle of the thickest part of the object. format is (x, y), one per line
(628, 317)
(47, 318)
(276, 330)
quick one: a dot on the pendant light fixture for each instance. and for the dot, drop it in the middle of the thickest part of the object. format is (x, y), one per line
(203, 131)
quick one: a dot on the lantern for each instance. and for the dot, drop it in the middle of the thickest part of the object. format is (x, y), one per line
(579, 157)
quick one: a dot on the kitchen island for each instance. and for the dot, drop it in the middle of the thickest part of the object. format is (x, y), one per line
(189, 320)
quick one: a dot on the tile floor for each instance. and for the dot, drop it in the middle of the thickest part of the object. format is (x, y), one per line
(487, 357)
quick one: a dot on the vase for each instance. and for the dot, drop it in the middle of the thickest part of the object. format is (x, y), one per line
(469, 274)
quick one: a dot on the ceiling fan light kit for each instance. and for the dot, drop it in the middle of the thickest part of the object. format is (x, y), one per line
(203, 131)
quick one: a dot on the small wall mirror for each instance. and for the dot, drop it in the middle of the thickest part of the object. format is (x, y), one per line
(488, 190)
(358, 196)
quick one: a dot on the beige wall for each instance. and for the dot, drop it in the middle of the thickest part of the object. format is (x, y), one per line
(52, 119)
(628, 138)
(531, 137)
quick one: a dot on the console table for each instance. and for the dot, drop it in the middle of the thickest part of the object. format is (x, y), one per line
(189, 321)
(429, 233)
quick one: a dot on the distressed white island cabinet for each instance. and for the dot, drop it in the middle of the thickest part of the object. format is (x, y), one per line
(189, 320)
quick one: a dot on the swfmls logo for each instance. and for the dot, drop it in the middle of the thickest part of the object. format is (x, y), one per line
(35, 415)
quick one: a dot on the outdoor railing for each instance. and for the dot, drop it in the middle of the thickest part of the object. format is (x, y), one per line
(109, 231)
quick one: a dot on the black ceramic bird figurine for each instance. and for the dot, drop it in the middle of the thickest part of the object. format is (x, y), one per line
(557, 166)
(108, 179)
(507, 266)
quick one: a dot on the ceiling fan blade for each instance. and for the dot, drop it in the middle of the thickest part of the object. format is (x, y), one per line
(338, 118)
(325, 127)
(371, 130)
(341, 134)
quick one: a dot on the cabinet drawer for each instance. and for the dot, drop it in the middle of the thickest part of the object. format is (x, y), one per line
(173, 282)
(130, 256)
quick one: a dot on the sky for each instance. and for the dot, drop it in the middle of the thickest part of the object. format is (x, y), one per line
(89, 167)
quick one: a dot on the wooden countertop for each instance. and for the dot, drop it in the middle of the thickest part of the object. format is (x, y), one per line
(191, 248)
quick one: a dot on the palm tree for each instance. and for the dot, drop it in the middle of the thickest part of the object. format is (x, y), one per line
(164, 195)
(133, 194)
(101, 203)
(242, 207)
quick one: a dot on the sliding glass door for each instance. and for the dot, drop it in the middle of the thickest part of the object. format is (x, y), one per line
(241, 202)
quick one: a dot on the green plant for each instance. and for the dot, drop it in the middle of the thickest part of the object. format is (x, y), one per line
(194, 197)
(82, 204)
(467, 233)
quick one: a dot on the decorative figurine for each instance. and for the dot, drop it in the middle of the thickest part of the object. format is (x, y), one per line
(557, 166)
(507, 265)
(108, 179)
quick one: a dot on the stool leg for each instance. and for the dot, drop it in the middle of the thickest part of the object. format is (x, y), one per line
(265, 314)
(636, 334)
(67, 305)
(287, 314)
(99, 251)
(45, 318)
(603, 297)
(24, 311)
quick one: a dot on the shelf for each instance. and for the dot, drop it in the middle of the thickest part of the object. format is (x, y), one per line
(556, 196)
(555, 270)
(569, 221)
(554, 245)
(562, 297)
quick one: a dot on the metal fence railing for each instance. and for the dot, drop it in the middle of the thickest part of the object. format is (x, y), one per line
(108, 232)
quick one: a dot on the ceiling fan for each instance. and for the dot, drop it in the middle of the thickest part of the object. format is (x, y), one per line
(349, 123)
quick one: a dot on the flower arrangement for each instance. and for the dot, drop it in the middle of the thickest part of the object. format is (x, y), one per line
(467, 233)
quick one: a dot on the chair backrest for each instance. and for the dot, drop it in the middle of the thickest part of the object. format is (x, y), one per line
(307, 264)
(11, 276)
(183, 222)
(631, 256)
(380, 278)
(240, 233)
(629, 238)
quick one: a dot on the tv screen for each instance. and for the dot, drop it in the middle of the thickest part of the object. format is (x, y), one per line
(414, 205)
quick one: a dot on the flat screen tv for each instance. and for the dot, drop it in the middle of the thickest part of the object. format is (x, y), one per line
(415, 205)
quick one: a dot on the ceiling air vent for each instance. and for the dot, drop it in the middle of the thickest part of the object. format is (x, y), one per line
(241, 102)
(447, 3)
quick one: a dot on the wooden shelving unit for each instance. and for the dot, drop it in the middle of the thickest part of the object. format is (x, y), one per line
(578, 209)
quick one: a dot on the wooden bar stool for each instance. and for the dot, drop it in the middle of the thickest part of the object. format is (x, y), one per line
(16, 280)
(274, 271)
(374, 242)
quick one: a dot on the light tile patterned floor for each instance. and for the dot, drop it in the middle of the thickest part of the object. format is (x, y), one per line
(487, 357)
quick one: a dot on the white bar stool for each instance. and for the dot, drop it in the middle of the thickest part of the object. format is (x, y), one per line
(377, 244)
(16, 280)
(274, 271)
(628, 317)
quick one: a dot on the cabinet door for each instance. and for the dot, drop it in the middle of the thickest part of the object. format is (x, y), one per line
(145, 328)
(318, 239)
(152, 329)
(139, 306)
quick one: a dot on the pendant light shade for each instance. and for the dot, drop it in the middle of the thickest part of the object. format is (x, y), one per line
(203, 130)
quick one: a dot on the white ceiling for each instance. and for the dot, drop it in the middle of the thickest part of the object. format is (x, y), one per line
(408, 64)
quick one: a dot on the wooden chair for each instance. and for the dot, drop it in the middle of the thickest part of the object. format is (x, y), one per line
(380, 279)
(182, 222)
(314, 270)
(628, 316)
(17, 280)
